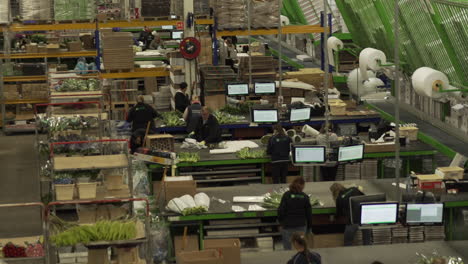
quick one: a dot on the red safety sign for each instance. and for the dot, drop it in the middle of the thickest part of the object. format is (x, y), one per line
(180, 25)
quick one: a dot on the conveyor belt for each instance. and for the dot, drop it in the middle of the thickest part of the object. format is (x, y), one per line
(439, 135)
(396, 253)
(291, 54)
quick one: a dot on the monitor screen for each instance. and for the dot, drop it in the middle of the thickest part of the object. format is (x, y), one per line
(177, 34)
(356, 201)
(350, 153)
(264, 115)
(167, 27)
(302, 114)
(236, 89)
(424, 213)
(308, 154)
(265, 88)
(379, 213)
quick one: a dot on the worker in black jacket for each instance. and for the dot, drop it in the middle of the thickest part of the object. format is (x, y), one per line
(181, 98)
(294, 212)
(279, 147)
(141, 114)
(207, 130)
(192, 114)
(341, 195)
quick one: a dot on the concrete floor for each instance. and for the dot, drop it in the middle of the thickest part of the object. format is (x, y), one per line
(19, 183)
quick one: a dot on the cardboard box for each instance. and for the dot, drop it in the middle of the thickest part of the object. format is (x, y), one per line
(409, 132)
(429, 181)
(31, 48)
(450, 173)
(376, 148)
(191, 243)
(173, 189)
(215, 102)
(98, 256)
(127, 255)
(229, 249)
(209, 256)
(74, 45)
(327, 240)
(53, 48)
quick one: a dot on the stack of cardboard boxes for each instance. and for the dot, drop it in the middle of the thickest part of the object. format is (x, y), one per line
(118, 50)
(10, 92)
(263, 68)
(206, 54)
(313, 76)
(34, 91)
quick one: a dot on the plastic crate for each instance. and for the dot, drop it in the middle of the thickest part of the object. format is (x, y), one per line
(64, 192)
(87, 190)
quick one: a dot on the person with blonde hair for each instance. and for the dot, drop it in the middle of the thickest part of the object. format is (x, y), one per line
(294, 212)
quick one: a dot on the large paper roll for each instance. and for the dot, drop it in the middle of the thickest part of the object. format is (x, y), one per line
(333, 44)
(309, 131)
(370, 58)
(359, 86)
(428, 82)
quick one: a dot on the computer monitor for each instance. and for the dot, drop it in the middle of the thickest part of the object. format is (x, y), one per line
(237, 89)
(264, 115)
(167, 27)
(356, 201)
(298, 115)
(177, 34)
(350, 153)
(432, 213)
(303, 154)
(265, 88)
(379, 213)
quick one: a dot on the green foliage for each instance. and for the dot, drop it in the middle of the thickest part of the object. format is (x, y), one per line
(194, 210)
(225, 118)
(248, 153)
(172, 119)
(101, 231)
(190, 157)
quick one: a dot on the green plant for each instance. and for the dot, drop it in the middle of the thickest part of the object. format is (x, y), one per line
(248, 153)
(188, 157)
(225, 118)
(172, 118)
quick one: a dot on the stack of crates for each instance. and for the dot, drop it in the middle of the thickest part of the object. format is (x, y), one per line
(213, 81)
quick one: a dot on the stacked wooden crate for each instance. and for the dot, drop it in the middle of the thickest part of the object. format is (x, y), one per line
(118, 50)
(155, 8)
(213, 81)
(263, 68)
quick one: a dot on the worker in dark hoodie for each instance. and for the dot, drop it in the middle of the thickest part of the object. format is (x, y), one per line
(192, 114)
(294, 212)
(278, 148)
(207, 130)
(181, 98)
(142, 114)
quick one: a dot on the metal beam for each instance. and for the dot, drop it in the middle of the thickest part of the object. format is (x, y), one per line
(285, 30)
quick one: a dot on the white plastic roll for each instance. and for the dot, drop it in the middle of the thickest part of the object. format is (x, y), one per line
(369, 59)
(309, 131)
(428, 82)
(291, 133)
(356, 82)
(296, 139)
(284, 20)
(334, 44)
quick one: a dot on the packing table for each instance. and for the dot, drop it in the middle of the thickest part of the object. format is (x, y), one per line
(394, 253)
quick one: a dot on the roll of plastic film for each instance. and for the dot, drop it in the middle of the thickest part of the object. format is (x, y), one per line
(429, 82)
(334, 44)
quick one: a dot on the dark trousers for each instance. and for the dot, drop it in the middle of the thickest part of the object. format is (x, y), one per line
(279, 171)
(328, 173)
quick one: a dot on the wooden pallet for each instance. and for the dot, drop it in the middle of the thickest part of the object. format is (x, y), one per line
(74, 21)
(117, 70)
(159, 18)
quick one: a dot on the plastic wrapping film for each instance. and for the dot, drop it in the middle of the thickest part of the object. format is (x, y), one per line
(264, 13)
(35, 9)
(74, 9)
(4, 11)
(231, 14)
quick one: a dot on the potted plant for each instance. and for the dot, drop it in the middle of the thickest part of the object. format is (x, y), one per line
(64, 187)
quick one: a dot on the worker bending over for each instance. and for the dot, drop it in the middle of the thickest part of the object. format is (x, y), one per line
(142, 114)
(207, 130)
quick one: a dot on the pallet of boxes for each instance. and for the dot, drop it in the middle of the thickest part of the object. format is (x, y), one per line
(263, 68)
(213, 80)
(117, 50)
(206, 53)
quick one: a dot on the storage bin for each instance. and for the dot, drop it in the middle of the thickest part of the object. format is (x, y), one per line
(64, 192)
(87, 190)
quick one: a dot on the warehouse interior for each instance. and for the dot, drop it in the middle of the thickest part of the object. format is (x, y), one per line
(233, 131)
